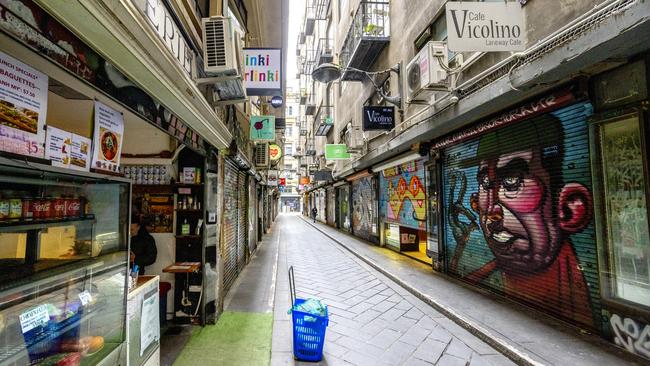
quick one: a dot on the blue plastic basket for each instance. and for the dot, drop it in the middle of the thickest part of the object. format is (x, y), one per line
(308, 334)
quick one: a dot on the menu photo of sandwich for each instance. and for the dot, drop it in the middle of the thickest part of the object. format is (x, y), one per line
(23, 119)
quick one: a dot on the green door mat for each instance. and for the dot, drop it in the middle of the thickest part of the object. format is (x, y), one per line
(236, 339)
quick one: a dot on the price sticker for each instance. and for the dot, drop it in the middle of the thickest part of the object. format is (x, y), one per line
(86, 298)
(33, 318)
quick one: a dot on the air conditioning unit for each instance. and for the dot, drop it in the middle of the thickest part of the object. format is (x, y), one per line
(424, 74)
(222, 47)
(262, 155)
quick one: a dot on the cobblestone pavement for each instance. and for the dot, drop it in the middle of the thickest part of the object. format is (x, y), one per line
(373, 321)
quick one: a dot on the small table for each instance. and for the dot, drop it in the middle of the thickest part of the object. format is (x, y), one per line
(187, 268)
(183, 267)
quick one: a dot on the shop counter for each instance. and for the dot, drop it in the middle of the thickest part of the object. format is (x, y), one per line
(143, 323)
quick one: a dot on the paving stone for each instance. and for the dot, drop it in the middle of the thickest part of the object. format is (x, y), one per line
(360, 359)
(458, 349)
(359, 346)
(392, 314)
(427, 323)
(335, 349)
(416, 362)
(376, 299)
(403, 305)
(367, 316)
(414, 313)
(415, 335)
(398, 353)
(384, 306)
(385, 338)
(440, 334)
(360, 307)
(375, 326)
(430, 350)
(448, 360)
(402, 324)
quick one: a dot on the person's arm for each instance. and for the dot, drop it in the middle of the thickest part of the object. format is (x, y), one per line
(149, 255)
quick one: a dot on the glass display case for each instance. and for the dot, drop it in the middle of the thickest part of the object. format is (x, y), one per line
(63, 265)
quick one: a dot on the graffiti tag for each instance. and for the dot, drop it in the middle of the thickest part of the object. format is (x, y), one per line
(631, 335)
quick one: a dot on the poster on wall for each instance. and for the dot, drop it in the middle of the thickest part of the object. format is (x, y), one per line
(67, 150)
(23, 107)
(263, 71)
(58, 144)
(262, 128)
(107, 138)
(272, 178)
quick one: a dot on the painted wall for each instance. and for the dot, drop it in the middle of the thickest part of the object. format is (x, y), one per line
(518, 211)
(364, 211)
(403, 195)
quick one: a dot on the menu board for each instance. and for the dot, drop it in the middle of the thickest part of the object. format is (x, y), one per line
(67, 150)
(107, 138)
(23, 107)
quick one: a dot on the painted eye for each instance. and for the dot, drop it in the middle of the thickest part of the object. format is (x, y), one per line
(511, 183)
(485, 182)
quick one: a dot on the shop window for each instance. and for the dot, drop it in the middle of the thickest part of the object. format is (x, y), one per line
(625, 221)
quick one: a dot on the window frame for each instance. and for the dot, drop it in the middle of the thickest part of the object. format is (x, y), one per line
(607, 282)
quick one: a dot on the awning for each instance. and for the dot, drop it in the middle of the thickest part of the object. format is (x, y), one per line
(122, 35)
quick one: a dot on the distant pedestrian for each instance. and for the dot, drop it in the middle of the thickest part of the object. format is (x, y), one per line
(314, 212)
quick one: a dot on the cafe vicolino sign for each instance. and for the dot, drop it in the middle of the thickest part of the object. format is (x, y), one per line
(485, 27)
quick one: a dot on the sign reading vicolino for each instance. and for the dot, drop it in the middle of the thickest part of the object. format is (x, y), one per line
(486, 27)
(378, 118)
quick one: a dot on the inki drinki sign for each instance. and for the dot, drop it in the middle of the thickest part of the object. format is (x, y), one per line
(487, 27)
(263, 71)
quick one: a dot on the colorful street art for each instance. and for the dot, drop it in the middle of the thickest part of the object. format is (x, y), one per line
(631, 335)
(403, 193)
(364, 214)
(519, 213)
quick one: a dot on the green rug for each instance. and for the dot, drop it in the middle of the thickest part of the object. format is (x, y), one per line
(236, 339)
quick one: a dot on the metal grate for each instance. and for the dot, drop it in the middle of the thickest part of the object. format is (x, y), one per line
(215, 43)
(543, 47)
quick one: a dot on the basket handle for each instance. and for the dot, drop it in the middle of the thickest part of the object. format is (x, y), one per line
(292, 286)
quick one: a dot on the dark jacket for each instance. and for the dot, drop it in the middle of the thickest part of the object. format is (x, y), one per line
(314, 212)
(143, 247)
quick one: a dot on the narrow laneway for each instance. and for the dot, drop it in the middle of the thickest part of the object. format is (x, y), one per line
(372, 320)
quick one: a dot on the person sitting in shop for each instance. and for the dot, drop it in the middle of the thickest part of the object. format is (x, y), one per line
(143, 245)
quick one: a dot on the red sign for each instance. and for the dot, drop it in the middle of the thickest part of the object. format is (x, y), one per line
(528, 110)
(283, 181)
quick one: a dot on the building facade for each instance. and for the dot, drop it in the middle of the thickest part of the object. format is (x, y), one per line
(526, 174)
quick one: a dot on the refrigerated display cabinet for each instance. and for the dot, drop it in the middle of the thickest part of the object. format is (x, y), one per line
(63, 266)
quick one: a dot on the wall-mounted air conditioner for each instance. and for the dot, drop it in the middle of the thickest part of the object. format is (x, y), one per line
(222, 47)
(262, 155)
(425, 74)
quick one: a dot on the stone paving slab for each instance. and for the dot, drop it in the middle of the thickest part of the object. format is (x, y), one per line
(373, 321)
(514, 329)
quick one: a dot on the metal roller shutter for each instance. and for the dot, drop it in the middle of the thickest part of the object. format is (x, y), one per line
(230, 225)
(331, 206)
(517, 206)
(364, 214)
(242, 221)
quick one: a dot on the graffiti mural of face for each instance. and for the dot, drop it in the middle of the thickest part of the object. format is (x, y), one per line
(516, 210)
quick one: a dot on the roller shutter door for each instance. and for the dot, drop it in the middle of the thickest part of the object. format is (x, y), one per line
(242, 221)
(231, 223)
(517, 206)
(331, 206)
(364, 214)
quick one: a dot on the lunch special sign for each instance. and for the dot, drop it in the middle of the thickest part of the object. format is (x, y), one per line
(107, 138)
(23, 107)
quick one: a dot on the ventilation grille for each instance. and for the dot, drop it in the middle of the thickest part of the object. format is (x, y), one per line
(262, 155)
(215, 42)
(570, 33)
